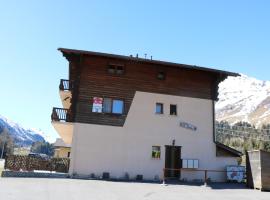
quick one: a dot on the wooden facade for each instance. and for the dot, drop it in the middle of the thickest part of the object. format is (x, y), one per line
(88, 71)
(258, 169)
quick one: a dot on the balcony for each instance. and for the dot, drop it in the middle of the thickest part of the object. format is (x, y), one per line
(62, 119)
(65, 91)
(61, 115)
(65, 85)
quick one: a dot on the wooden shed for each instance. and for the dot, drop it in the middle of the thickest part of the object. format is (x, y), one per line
(258, 169)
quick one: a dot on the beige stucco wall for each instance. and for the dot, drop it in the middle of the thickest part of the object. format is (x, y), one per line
(97, 149)
(62, 152)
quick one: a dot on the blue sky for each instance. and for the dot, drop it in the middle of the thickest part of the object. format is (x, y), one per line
(225, 34)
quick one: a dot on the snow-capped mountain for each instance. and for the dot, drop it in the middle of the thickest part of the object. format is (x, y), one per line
(20, 135)
(244, 98)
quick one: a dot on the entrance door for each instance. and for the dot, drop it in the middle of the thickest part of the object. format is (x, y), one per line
(172, 161)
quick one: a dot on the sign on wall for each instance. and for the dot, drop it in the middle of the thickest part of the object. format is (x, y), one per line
(97, 104)
(188, 126)
(236, 173)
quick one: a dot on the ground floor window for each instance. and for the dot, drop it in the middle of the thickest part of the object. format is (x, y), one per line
(190, 163)
(156, 152)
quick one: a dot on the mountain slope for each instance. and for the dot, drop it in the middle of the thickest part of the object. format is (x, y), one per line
(20, 135)
(244, 98)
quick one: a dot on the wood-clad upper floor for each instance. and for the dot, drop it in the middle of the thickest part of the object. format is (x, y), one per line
(119, 77)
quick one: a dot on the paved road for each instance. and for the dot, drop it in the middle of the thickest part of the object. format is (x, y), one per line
(71, 189)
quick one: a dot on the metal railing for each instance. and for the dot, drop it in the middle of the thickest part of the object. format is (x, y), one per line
(66, 85)
(205, 171)
(61, 114)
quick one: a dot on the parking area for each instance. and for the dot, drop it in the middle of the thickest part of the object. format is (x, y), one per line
(71, 189)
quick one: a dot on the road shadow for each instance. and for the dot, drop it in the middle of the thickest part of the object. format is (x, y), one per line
(214, 186)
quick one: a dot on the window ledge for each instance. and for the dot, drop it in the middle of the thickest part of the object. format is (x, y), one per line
(110, 114)
(155, 158)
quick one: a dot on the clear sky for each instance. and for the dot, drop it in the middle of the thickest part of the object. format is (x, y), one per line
(230, 35)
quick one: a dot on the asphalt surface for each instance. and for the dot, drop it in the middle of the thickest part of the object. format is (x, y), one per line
(73, 189)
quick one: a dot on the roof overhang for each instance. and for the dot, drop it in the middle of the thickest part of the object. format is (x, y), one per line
(69, 52)
(229, 150)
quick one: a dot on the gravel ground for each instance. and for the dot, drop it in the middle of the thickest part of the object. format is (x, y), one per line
(71, 189)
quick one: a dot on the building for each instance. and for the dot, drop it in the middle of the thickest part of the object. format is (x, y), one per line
(61, 149)
(129, 116)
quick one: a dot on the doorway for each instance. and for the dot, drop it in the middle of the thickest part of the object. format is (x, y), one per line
(172, 161)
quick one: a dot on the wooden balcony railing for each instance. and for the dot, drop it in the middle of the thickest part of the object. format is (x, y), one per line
(66, 85)
(61, 115)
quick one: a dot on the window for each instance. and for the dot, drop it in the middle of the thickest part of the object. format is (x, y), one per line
(173, 109)
(118, 106)
(111, 69)
(116, 69)
(68, 155)
(159, 108)
(161, 75)
(190, 163)
(119, 70)
(115, 106)
(107, 105)
(156, 152)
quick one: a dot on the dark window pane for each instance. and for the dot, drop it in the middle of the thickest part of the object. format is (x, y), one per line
(161, 75)
(159, 108)
(107, 105)
(118, 106)
(173, 109)
(156, 152)
(119, 70)
(111, 69)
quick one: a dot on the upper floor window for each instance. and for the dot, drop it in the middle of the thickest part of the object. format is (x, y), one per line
(173, 109)
(116, 69)
(159, 108)
(115, 106)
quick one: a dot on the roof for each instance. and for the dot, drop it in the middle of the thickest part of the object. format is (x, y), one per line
(229, 149)
(60, 143)
(66, 52)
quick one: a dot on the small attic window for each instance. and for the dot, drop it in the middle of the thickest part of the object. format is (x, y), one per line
(115, 69)
(161, 75)
(119, 70)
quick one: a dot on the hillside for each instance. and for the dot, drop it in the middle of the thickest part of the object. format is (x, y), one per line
(244, 98)
(20, 135)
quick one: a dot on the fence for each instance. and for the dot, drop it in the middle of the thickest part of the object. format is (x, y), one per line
(28, 163)
(204, 171)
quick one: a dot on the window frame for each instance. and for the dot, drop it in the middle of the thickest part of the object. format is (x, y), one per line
(162, 108)
(122, 107)
(115, 69)
(172, 113)
(158, 156)
(111, 108)
(104, 106)
(187, 161)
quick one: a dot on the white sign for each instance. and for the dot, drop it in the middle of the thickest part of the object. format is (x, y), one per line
(97, 104)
